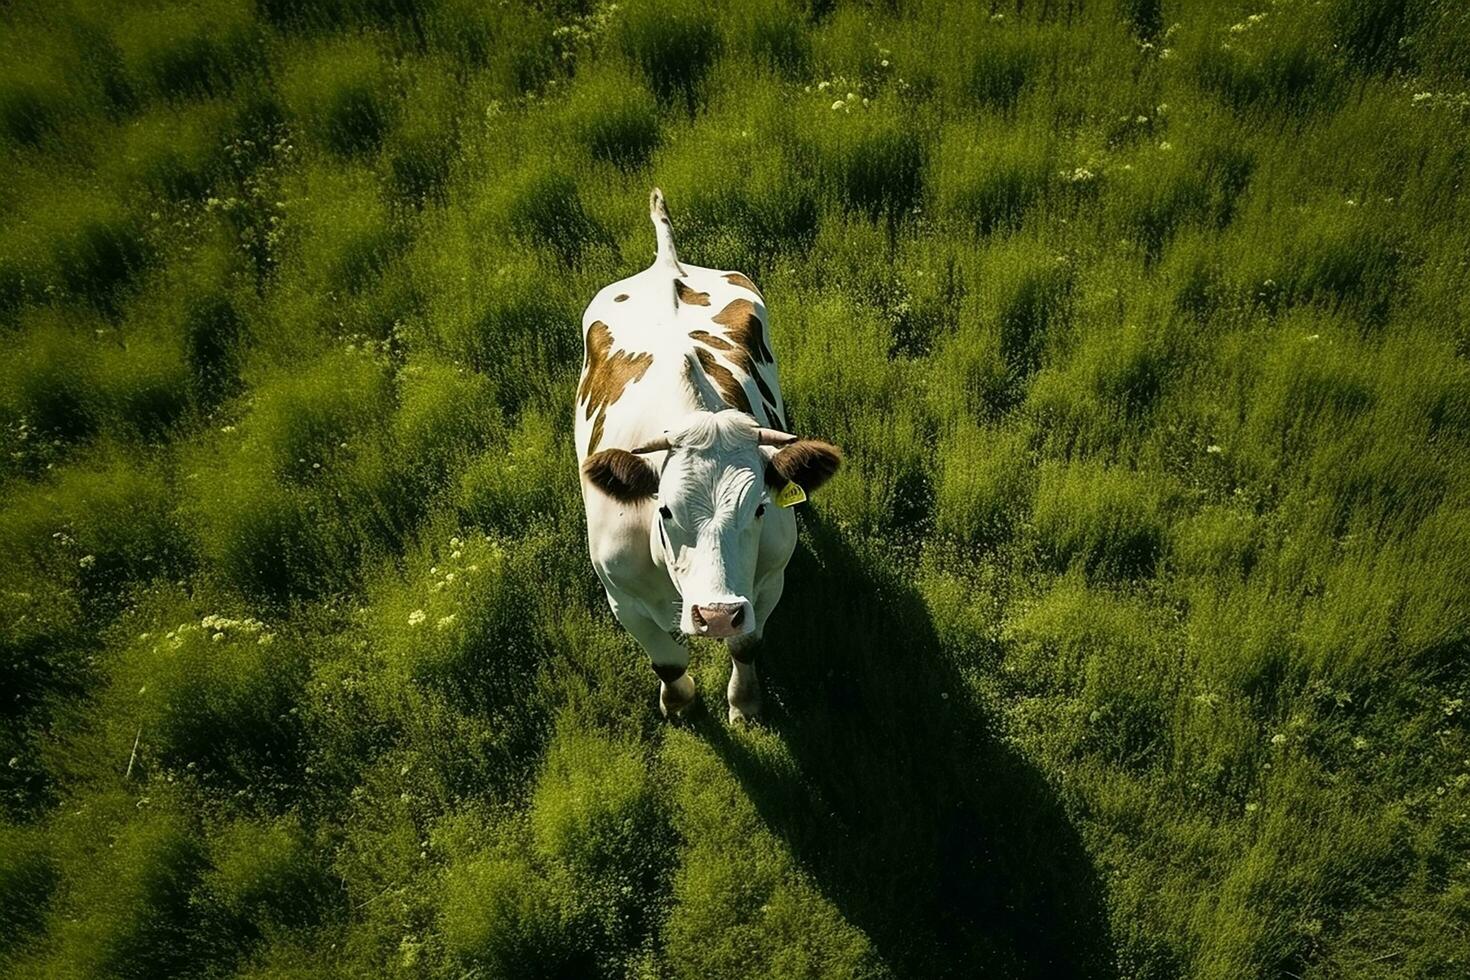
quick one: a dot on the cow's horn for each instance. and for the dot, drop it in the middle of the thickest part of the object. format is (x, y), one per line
(659, 445)
(773, 437)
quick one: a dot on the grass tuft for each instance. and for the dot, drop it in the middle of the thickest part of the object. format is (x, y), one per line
(546, 211)
(342, 93)
(616, 119)
(188, 53)
(1001, 68)
(1107, 521)
(673, 46)
(875, 162)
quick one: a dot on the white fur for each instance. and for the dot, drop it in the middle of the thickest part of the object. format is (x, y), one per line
(715, 549)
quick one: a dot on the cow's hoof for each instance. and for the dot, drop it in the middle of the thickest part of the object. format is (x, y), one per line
(674, 699)
(746, 713)
(743, 693)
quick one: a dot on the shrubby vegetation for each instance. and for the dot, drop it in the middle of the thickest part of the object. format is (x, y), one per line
(1132, 639)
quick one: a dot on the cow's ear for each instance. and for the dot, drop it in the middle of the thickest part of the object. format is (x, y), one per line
(808, 463)
(621, 475)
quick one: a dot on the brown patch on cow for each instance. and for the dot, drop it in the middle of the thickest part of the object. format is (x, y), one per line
(808, 463)
(748, 334)
(773, 417)
(621, 475)
(744, 327)
(596, 438)
(688, 296)
(765, 390)
(606, 375)
(705, 337)
(620, 298)
(731, 390)
(736, 279)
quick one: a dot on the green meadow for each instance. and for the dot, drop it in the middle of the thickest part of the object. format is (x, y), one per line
(1132, 640)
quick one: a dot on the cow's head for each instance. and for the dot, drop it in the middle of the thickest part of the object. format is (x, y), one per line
(713, 490)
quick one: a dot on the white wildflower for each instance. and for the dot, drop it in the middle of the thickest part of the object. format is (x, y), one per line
(445, 622)
(837, 105)
(218, 638)
(1166, 146)
(416, 617)
(1213, 449)
(87, 561)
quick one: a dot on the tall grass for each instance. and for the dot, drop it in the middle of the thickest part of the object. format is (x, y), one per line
(1130, 639)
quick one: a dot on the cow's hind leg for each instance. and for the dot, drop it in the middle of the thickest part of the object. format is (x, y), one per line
(670, 659)
(744, 691)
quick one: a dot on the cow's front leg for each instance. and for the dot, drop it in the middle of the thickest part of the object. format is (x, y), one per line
(744, 690)
(670, 657)
(676, 690)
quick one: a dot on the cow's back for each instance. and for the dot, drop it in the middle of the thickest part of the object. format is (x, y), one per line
(654, 341)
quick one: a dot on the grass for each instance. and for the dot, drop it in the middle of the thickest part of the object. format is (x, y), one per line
(1130, 640)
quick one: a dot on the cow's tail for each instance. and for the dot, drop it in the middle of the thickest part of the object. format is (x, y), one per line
(663, 230)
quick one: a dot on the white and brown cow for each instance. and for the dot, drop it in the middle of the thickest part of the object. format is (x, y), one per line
(687, 470)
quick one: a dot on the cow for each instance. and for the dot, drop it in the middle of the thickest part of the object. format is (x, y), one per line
(688, 474)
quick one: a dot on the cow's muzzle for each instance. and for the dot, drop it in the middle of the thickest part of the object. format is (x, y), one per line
(721, 619)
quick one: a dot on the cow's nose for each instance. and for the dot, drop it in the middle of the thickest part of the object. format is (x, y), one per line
(720, 618)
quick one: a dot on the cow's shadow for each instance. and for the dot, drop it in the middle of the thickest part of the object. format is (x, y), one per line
(942, 843)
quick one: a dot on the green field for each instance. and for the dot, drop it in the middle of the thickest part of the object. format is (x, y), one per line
(1133, 639)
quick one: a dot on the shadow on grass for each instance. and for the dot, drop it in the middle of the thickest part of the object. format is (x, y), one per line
(943, 844)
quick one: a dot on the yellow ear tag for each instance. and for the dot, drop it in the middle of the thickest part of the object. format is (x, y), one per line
(790, 495)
